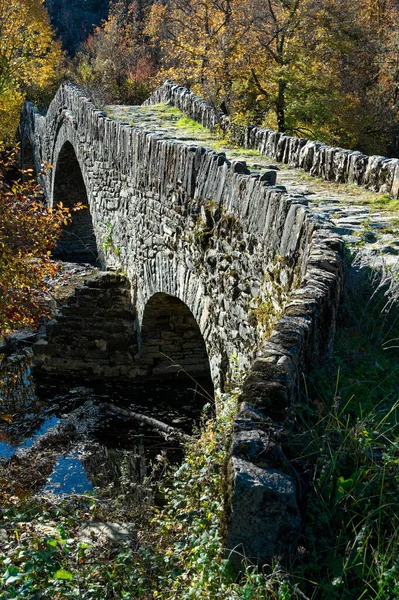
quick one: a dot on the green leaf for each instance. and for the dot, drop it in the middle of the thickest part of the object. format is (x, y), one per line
(12, 575)
(344, 484)
(13, 579)
(84, 546)
(63, 574)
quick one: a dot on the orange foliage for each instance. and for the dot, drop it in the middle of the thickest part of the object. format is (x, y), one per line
(326, 69)
(28, 233)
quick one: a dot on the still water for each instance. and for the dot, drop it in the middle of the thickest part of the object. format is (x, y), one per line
(96, 448)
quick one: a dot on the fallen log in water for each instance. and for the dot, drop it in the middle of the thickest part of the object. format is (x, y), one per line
(167, 430)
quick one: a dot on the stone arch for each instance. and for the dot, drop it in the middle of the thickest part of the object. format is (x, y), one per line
(28, 157)
(78, 241)
(171, 340)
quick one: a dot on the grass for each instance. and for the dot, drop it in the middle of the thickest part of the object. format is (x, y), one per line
(176, 121)
(350, 537)
(347, 444)
(383, 203)
(344, 448)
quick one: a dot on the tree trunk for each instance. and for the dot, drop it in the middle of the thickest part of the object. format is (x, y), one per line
(280, 104)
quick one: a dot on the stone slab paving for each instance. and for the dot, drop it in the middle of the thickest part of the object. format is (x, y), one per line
(372, 233)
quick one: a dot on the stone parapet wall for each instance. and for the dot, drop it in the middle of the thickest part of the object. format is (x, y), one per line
(377, 173)
(194, 106)
(260, 274)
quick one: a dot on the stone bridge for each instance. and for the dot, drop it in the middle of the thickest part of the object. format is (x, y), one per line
(214, 266)
(216, 259)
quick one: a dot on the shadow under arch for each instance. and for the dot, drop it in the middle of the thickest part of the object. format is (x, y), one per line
(171, 343)
(28, 162)
(78, 240)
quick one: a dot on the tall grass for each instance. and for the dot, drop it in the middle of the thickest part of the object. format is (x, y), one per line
(346, 444)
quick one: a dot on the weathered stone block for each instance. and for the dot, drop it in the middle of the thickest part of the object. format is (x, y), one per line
(263, 510)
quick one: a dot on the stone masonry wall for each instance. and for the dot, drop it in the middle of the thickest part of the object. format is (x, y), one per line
(260, 274)
(262, 517)
(171, 339)
(377, 173)
(186, 222)
(94, 334)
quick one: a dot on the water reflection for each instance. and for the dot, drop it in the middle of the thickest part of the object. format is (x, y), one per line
(109, 451)
(105, 466)
(17, 386)
(12, 442)
(22, 418)
(68, 477)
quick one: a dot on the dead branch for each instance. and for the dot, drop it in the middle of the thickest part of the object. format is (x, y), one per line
(166, 430)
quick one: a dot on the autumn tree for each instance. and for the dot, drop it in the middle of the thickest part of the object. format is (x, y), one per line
(29, 58)
(305, 67)
(28, 233)
(316, 68)
(383, 15)
(239, 53)
(199, 42)
(114, 62)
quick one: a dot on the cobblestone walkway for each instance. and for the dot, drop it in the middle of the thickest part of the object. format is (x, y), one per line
(370, 231)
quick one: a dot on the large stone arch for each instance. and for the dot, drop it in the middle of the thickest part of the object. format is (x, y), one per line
(167, 275)
(78, 241)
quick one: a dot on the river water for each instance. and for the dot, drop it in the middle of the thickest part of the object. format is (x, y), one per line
(86, 444)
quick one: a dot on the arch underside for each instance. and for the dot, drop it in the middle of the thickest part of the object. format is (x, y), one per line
(78, 240)
(171, 341)
(28, 157)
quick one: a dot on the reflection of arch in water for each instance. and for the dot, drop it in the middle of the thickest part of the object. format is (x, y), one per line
(20, 416)
(171, 340)
(105, 466)
(78, 241)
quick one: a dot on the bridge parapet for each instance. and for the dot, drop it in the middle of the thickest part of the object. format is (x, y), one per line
(259, 273)
(377, 173)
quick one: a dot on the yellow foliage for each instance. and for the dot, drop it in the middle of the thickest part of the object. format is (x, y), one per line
(326, 69)
(199, 42)
(10, 108)
(29, 57)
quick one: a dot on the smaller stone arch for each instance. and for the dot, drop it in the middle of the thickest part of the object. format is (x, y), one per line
(78, 241)
(171, 341)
